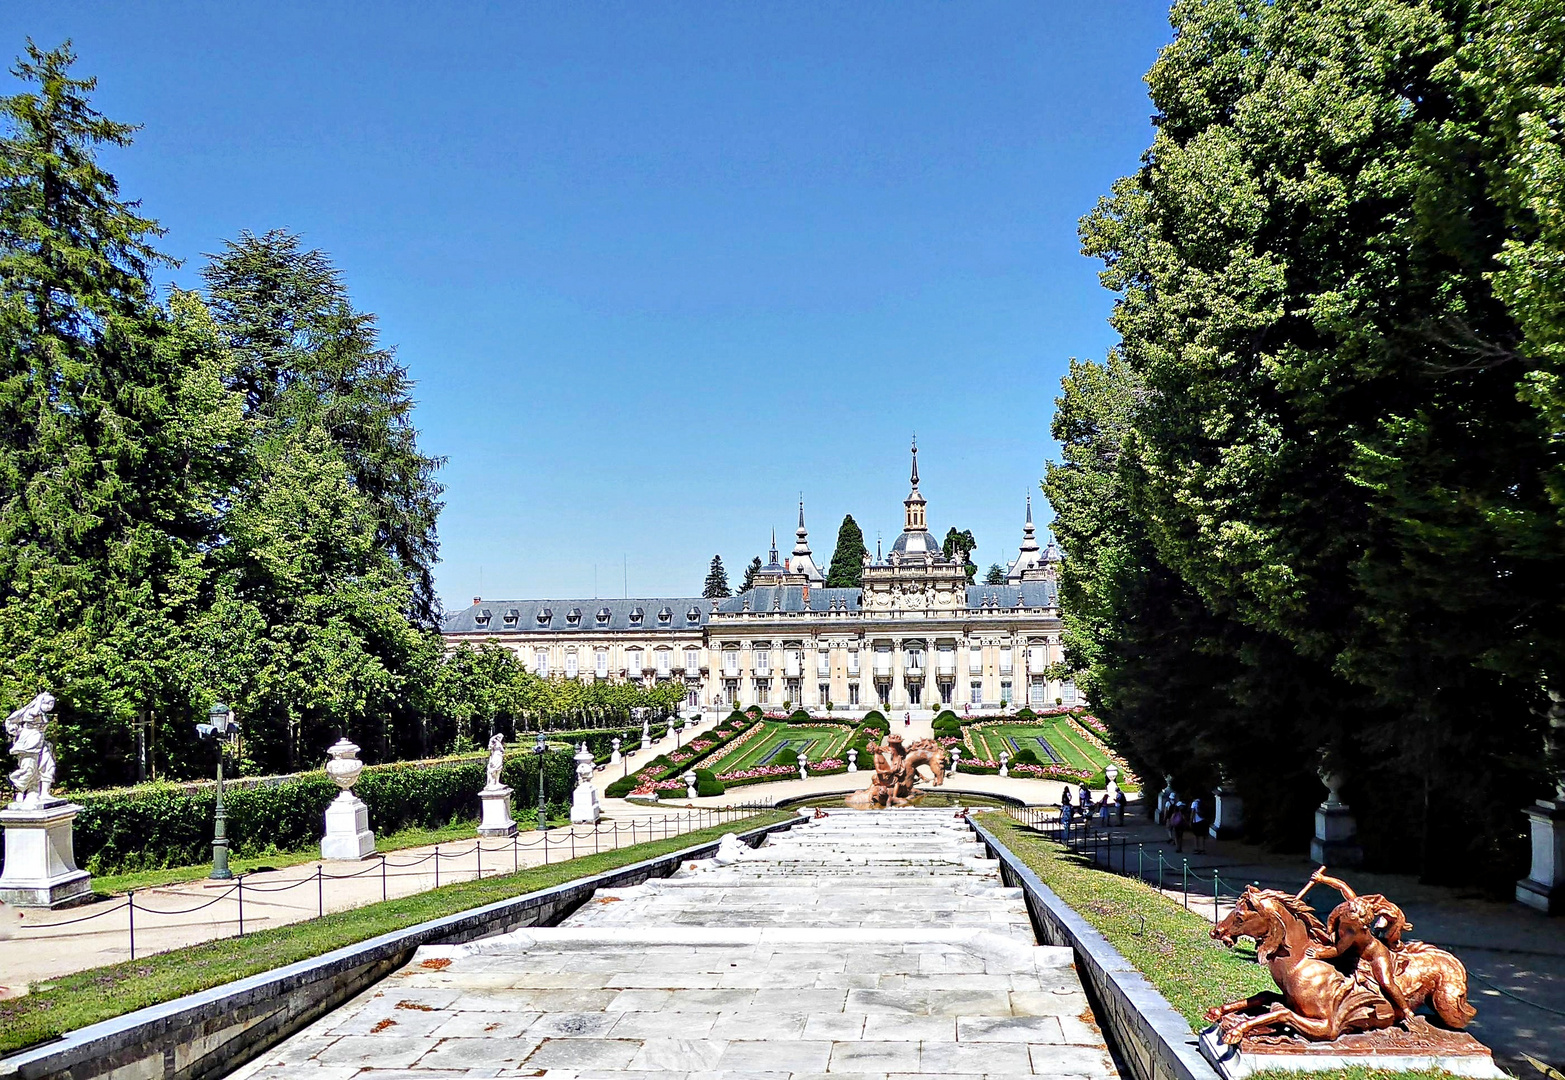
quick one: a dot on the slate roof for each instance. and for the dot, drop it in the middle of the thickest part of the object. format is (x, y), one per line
(620, 613)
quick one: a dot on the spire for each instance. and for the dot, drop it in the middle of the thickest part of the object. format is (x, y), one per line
(1027, 564)
(774, 547)
(914, 503)
(915, 463)
(803, 562)
(802, 544)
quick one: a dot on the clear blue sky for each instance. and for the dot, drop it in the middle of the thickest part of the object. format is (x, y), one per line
(657, 268)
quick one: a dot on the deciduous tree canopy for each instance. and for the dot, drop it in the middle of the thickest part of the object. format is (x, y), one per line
(1313, 499)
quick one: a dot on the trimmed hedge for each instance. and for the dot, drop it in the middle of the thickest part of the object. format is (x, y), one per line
(154, 826)
(1026, 756)
(875, 716)
(799, 716)
(947, 716)
(789, 756)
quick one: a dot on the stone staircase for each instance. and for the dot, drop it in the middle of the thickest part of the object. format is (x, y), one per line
(866, 944)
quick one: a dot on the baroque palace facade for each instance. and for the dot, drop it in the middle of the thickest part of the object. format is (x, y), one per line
(915, 638)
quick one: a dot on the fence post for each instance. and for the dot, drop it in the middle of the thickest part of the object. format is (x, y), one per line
(516, 859)
(320, 892)
(545, 839)
(383, 877)
(1159, 871)
(1214, 897)
(573, 841)
(241, 905)
(1187, 884)
(437, 866)
(478, 858)
(130, 897)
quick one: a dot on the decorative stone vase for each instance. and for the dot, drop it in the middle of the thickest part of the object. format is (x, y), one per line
(690, 784)
(348, 836)
(1335, 842)
(585, 809)
(614, 758)
(1005, 760)
(853, 761)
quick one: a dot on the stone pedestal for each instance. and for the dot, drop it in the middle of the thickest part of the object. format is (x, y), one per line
(496, 812)
(584, 806)
(1335, 842)
(1228, 820)
(1544, 887)
(348, 836)
(40, 857)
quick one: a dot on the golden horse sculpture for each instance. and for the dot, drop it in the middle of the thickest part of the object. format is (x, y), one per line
(1355, 973)
(896, 771)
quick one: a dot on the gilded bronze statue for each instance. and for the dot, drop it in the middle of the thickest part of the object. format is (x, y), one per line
(896, 771)
(1352, 973)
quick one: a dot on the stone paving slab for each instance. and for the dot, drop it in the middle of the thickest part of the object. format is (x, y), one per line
(741, 971)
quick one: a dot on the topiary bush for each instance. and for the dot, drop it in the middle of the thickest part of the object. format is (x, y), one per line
(1026, 756)
(947, 716)
(1024, 713)
(875, 716)
(755, 712)
(789, 756)
(799, 716)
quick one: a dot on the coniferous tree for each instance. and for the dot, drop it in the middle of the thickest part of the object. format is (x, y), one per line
(304, 356)
(113, 421)
(716, 580)
(996, 575)
(961, 540)
(846, 568)
(749, 574)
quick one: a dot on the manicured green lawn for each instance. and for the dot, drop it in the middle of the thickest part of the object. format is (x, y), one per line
(1072, 749)
(818, 743)
(87, 997)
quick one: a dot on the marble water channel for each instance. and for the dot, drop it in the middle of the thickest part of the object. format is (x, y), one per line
(865, 944)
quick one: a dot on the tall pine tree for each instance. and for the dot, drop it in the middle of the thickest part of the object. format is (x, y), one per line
(749, 574)
(716, 580)
(846, 569)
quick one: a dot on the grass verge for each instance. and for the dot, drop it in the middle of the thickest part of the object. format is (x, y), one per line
(1172, 947)
(87, 997)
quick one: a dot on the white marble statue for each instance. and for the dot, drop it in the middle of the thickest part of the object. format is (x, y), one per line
(614, 758)
(496, 762)
(28, 728)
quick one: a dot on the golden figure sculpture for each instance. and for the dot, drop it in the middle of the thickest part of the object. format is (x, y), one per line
(896, 771)
(1354, 973)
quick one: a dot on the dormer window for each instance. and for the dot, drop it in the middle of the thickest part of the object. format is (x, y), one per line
(545, 616)
(512, 615)
(665, 616)
(636, 615)
(603, 615)
(693, 615)
(483, 616)
(573, 616)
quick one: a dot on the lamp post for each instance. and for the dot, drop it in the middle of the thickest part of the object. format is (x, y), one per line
(539, 748)
(221, 726)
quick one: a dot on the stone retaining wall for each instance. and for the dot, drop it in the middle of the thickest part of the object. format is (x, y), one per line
(1152, 1039)
(212, 1032)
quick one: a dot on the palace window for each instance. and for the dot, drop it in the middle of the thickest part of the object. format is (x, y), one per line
(603, 616)
(545, 615)
(636, 615)
(663, 662)
(512, 616)
(947, 659)
(975, 660)
(795, 690)
(853, 662)
(692, 662)
(731, 691)
(541, 663)
(823, 693)
(763, 661)
(573, 616)
(977, 692)
(853, 693)
(730, 662)
(693, 697)
(1068, 693)
(823, 663)
(883, 689)
(1005, 660)
(600, 663)
(570, 665)
(945, 692)
(1035, 691)
(763, 691)
(1005, 693)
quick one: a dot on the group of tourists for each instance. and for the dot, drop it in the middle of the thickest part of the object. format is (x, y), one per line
(1180, 817)
(1082, 804)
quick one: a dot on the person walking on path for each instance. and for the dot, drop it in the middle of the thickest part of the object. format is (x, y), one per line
(1084, 800)
(1176, 822)
(1067, 809)
(1198, 825)
(1103, 811)
(1119, 804)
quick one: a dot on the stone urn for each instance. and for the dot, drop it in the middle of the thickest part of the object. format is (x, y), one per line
(690, 785)
(853, 761)
(1005, 762)
(344, 766)
(1111, 774)
(348, 836)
